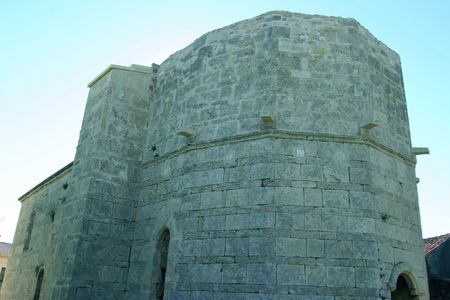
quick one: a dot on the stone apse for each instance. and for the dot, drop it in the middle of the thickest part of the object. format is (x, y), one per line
(269, 159)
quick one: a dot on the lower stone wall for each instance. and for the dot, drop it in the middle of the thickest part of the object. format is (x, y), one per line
(273, 216)
(278, 215)
(37, 235)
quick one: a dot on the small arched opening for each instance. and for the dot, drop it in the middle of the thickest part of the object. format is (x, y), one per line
(40, 279)
(161, 262)
(404, 289)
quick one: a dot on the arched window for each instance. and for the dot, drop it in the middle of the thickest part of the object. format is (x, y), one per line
(40, 279)
(161, 262)
(403, 290)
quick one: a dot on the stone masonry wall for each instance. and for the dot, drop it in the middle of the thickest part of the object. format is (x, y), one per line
(310, 205)
(272, 155)
(279, 215)
(108, 171)
(310, 73)
(38, 234)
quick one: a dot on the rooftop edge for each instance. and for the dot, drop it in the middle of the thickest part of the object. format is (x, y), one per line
(46, 181)
(132, 68)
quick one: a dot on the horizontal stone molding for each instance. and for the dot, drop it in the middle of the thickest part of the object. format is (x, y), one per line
(280, 134)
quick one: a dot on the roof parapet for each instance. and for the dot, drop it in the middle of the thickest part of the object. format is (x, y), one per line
(132, 68)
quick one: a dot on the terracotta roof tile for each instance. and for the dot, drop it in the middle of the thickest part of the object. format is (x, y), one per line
(432, 243)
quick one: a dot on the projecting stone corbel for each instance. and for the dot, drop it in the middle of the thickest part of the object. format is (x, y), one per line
(420, 150)
(267, 121)
(185, 133)
(366, 129)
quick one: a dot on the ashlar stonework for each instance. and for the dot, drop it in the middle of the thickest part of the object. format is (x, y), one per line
(270, 159)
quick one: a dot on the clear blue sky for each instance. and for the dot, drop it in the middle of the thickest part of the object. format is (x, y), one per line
(50, 50)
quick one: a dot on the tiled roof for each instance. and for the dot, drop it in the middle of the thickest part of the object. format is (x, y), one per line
(5, 249)
(432, 243)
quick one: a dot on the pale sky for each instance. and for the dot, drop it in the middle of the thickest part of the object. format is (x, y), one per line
(50, 50)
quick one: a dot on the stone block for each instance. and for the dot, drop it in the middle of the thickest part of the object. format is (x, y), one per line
(194, 295)
(262, 146)
(386, 253)
(367, 277)
(315, 248)
(358, 152)
(312, 172)
(340, 277)
(287, 171)
(394, 187)
(261, 220)
(263, 274)
(288, 196)
(237, 221)
(137, 274)
(303, 184)
(261, 195)
(102, 252)
(360, 224)
(312, 221)
(359, 176)
(290, 247)
(192, 247)
(102, 210)
(234, 273)
(336, 198)
(236, 247)
(336, 173)
(99, 228)
(190, 202)
(361, 200)
(338, 249)
(313, 197)
(176, 295)
(205, 273)
(290, 274)
(123, 230)
(123, 212)
(212, 200)
(262, 171)
(365, 250)
(202, 178)
(238, 174)
(213, 247)
(261, 246)
(290, 221)
(334, 223)
(113, 274)
(214, 223)
(189, 224)
(140, 252)
(238, 197)
(315, 275)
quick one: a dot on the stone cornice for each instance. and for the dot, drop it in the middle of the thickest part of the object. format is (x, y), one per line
(132, 68)
(273, 133)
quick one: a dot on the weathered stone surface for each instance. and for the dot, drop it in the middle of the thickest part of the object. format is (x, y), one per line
(177, 175)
